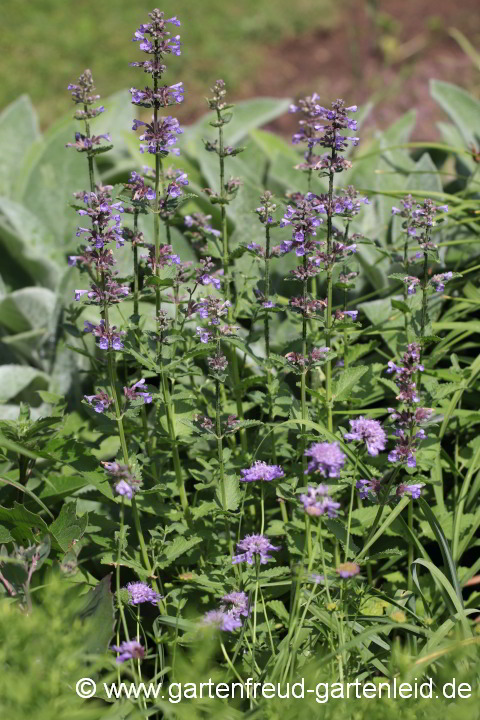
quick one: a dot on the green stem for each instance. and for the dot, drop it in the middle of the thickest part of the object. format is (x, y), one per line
(303, 377)
(267, 337)
(410, 546)
(350, 509)
(135, 267)
(329, 308)
(226, 275)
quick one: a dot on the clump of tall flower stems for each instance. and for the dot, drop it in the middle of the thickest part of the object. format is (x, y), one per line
(192, 354)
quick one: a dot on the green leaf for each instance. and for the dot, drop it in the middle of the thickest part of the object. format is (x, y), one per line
(18, 131)
(279, 609)
(176, 548)
(5, 536)
(52, 174)
(232, 492)
(347, 381)
(29, 241)
(462, 108)
(16, 379)
(30, 307)
(68, 527)
(21, 523)
(98, 617)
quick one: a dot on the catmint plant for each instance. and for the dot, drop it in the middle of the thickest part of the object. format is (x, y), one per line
(228, 189)
(159, 138)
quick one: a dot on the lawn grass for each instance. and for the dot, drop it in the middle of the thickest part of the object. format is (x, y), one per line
(48, 43)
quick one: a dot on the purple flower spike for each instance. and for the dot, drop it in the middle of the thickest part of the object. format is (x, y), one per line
(129, 650)
(261, 471)
(254, 546)
(369, 431)
(327, 459)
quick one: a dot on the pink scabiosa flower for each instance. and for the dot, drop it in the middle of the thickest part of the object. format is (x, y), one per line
(129, 650)
(368, 431)
(348, 570)
(326, 459)
(261, 471)
(253, 547)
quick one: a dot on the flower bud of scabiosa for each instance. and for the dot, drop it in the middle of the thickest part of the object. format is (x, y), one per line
(222, 620)
(317, 502)
(132, 393)
(348, 570)
(261, 471)
(253, 547)
(140, 592)
(370, 431)
(129, 650)
(100, 402)
(326, 459)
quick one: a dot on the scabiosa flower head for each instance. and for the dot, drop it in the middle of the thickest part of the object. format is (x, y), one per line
(261, 471)
(326, 459)
(317, 579)
(348, 569)
(253, 546)
(132, 393)
(140, 592)
(369, 431)
(223, 620)
(236, 603)
(129, 650)
(316, 502)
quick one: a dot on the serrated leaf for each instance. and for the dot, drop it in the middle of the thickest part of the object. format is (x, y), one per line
(347, 381)
(176, 548)
(68, 527)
